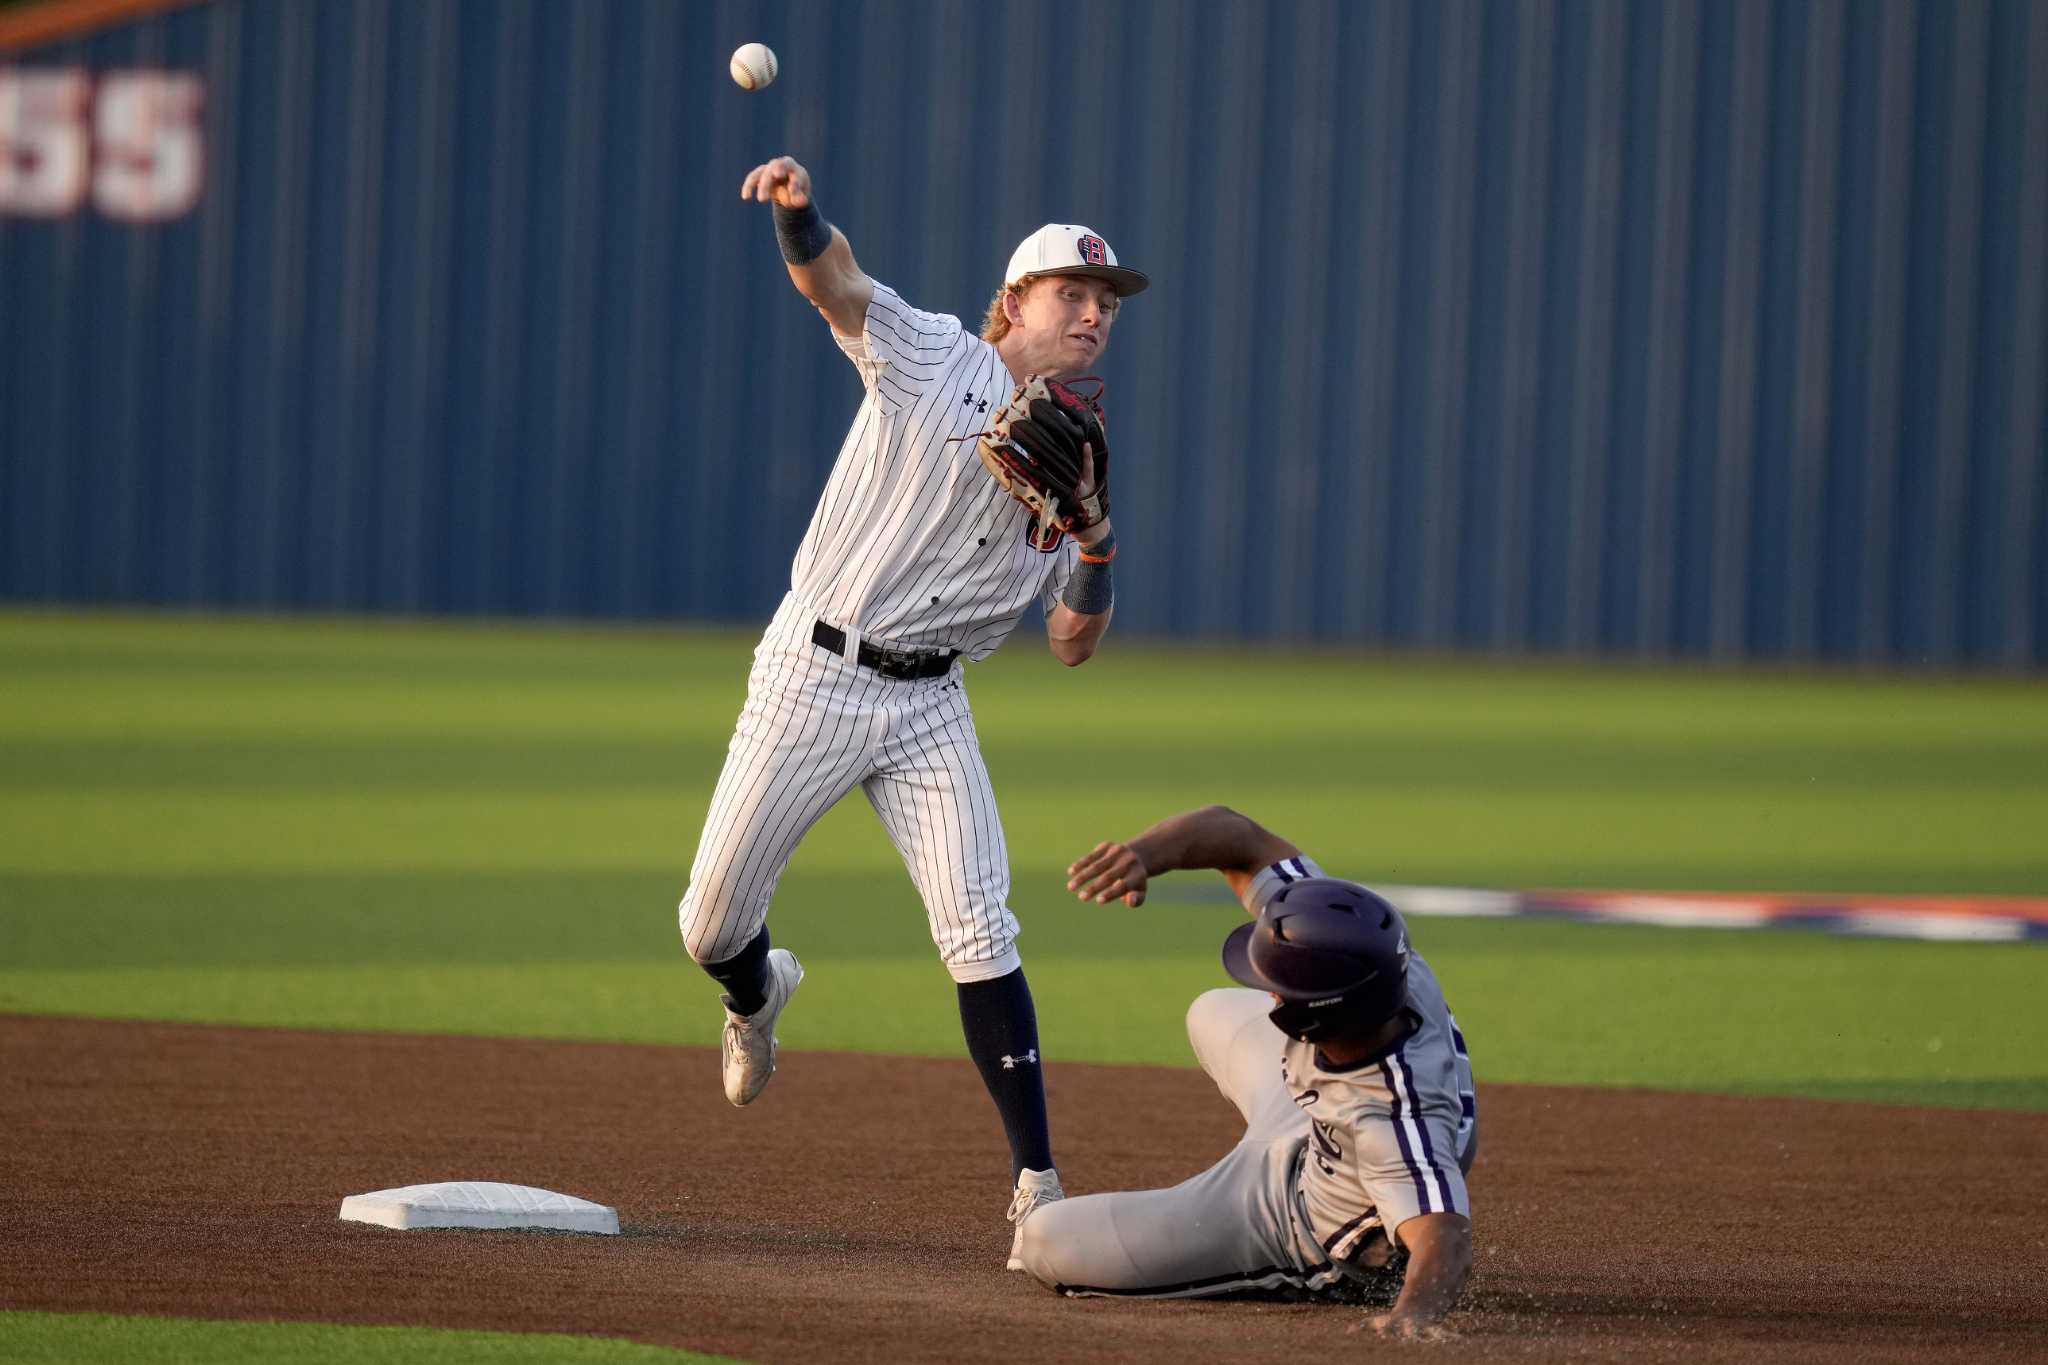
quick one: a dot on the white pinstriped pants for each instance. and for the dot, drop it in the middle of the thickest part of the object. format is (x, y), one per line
(816, 725)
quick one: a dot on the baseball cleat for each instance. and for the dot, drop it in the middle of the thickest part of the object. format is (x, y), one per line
(1035, 1189)
(749, 1043)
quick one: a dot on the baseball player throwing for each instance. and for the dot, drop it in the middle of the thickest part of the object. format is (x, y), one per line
(915, 561)
(1353, 1081)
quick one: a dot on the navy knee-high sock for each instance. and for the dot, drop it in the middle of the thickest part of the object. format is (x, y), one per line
(1002, 1037)
(744, 975)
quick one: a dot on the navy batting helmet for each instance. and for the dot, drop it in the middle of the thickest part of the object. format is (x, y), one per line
(1335, 954)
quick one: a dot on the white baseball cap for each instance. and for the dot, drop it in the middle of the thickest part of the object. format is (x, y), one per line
(1070, 249)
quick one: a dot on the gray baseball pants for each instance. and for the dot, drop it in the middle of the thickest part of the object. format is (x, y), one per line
(1229, 1229)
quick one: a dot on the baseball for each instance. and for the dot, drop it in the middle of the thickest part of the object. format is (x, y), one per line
(754, 66)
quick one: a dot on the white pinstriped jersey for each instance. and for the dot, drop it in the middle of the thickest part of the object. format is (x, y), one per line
(1386, 1135)
(913, 544)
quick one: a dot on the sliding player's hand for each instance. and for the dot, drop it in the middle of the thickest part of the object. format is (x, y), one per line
(1107, 872)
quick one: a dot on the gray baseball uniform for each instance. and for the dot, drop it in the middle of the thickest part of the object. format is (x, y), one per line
(1332, 1162)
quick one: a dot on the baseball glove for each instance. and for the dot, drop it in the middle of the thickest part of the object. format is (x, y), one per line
(1034, 452)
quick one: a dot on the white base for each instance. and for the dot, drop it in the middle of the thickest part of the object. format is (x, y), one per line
(478, 1204)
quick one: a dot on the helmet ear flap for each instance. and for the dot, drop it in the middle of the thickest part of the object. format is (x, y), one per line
(1295, 1020)
(1356, 1011)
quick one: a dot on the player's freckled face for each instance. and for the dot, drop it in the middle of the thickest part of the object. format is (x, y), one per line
(1066, 319)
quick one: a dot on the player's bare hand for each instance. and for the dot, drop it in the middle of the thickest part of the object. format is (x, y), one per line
(1083, 490)
(782, 181)
(1402, 1327)
(1107, 872)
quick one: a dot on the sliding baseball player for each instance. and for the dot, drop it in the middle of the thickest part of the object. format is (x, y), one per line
(1353, 1081)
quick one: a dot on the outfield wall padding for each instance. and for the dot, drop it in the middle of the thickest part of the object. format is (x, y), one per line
(1689, 330)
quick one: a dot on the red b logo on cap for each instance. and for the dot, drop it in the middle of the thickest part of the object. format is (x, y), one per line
(1093, 250)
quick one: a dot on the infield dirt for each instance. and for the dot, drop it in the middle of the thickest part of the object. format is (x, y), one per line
(855, 1211)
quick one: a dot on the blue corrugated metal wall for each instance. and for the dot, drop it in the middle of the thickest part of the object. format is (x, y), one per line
(1674, 329)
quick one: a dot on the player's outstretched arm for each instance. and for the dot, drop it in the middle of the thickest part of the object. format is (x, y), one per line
(820, 260)
(1212, 837)
(1439, 1260)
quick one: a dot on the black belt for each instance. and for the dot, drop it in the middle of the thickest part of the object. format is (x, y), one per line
(890, 663)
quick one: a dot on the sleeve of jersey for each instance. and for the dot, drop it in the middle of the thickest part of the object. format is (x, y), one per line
(903, 350)
(1408, 1156)
(1266, 883)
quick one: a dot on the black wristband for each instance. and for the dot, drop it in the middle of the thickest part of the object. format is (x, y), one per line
(802, 233)
(1090, 590)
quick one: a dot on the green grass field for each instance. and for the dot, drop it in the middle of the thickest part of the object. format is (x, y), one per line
(469, 829)
(458, 828)
(73, 1338)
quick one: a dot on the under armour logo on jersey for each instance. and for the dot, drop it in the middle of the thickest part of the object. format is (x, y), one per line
(1093, 250)
(967, 401)
(1031, 1056)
